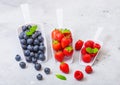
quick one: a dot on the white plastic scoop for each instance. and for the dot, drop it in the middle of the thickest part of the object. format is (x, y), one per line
(95, 39)
(28, 21)
(59, 14)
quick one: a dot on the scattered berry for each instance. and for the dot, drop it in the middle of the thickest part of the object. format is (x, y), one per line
(78, 45)
(47, 70)
(17, 57)
(64, 67)
(22, 65)
(88, 69)
(78, 75)
(39, 77)
(37, 66)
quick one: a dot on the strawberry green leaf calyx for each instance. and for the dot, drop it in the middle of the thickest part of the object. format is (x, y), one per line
(55, 42)
(69, 48)
(31, 30)
(61, 77)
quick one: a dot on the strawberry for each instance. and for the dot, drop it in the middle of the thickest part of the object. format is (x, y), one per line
(89, 43)
(88, 69)
(59, 36)
(78, 45)
(66, 41)
(56, 45)
(68, 51)
(86, 58)
(64, 67)
(54, 32)
(96, 45)
(66, 32)
(83, 51)
(78, 75)
(59, 56)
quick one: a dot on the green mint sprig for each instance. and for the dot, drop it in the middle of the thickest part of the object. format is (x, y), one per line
(92, 50)
(31, 30)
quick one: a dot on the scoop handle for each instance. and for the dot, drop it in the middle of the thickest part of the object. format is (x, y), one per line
(59, 14)
(98, 32)
(25, 13)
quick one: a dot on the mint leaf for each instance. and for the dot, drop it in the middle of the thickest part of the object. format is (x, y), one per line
(32, 30)
(60, 76)
(89, 50)
(95, 50)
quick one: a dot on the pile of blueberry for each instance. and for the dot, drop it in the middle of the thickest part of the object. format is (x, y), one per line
(33, 46)
(34, 49)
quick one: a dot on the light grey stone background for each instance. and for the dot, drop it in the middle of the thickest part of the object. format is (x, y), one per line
(83, 17)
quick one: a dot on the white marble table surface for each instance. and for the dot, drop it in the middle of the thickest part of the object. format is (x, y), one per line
(83, 17)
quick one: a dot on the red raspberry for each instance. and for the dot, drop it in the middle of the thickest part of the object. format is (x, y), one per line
(89, 43)
(96, 45)
(78, 75)
(88, 69)
(93, 54)
(83, 51)
(86, 58)
(78, 45)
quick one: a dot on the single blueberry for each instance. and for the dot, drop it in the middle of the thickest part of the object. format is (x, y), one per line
(21, 36)
(38, 33)
(25, 36)
(26, 52)
(41, 44)
(23, 41)
(32, 54)
(24, 47)
(47, 70)
(40, 38)
(34, 60)
(39, 77)
(36, 48)
(42, 57)
(42, 48)
(28, 59)
(29, 26)
(37, 66)
(29, 47)
(22, 64)
(36, 55)
(17, 57)
(34, 36)
(29, 41)
(36, 42)
(40, 52)
(24, 28)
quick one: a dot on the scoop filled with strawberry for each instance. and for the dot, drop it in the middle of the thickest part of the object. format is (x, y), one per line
(62, 44)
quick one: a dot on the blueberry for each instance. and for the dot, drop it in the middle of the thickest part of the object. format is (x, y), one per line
(17, 57)
(29, 59)
(42, 57)
(22, 64)
(40, 52)
(23, 41)
(41, 44)
(37, 66)
(29, 47)
(36, 55)
(25, 36)
(42, 48)
(36, 42)
(24, 28)
(32, 54)
(40, 38)
(39, 77)
(21, 36)
(47, 70)
(34, 36)
(27, 53)
(24, 47)
(36, 48)
(29, 41)
(34, 60)
(38, 33)
(29, 26)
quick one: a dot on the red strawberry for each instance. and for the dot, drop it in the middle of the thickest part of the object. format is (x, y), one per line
(78, 75)
(64, 67)
(88, 69)
(68, 51)
(86, 58)
(59, 56)
(93, 54)
(89, 43)
(83, 51)
(56, 45)
(66, 41)
(54, 32)
(78, 45)
(59, 36)
(96, 45)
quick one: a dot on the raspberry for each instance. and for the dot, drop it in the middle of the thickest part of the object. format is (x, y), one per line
(96, 45)
(78, 75)
(89, 43)
(78, 45)
(83, 51)
(86, 58)
(88, 69)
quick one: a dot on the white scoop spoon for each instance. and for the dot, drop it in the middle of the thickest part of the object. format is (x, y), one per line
(27, 19)
(95, 39)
